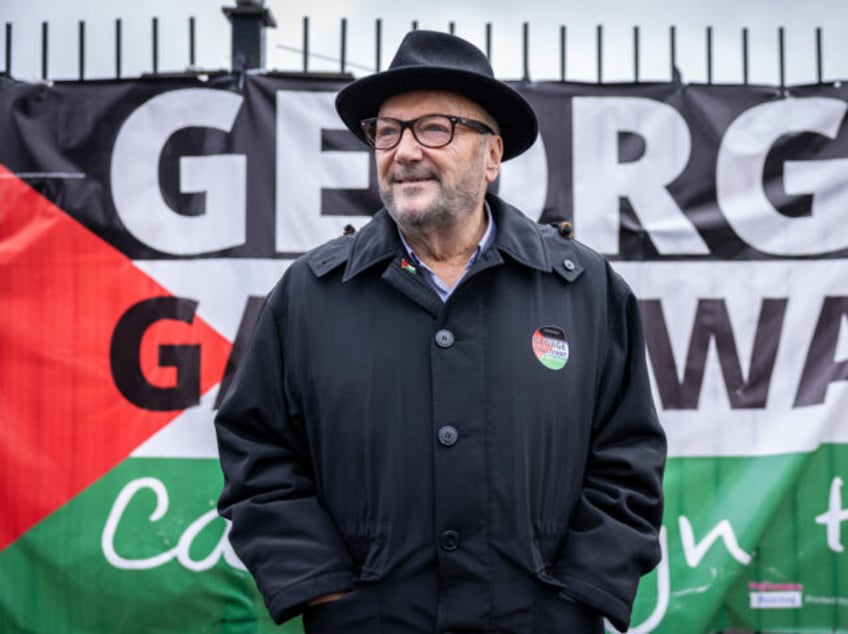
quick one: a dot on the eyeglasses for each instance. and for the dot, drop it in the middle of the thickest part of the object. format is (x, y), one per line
(431, 130)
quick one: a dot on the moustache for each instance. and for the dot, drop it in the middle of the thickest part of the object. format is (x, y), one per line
(401, 175)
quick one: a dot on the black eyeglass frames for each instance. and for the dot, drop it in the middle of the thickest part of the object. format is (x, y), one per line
(431, 130)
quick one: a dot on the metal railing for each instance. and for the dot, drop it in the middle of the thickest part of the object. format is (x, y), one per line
(673, 72)
(249, 20)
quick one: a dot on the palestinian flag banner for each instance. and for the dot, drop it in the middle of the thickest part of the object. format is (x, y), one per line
(143, 221)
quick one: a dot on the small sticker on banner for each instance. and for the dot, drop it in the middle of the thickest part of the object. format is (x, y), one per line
(775, 596)
(551, 347)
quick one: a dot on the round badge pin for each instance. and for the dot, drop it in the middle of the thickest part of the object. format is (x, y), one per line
(551, 347)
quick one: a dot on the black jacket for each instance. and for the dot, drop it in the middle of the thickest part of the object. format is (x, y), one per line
(423, 456)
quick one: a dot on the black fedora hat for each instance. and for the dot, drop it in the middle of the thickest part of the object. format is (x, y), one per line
(430, 60)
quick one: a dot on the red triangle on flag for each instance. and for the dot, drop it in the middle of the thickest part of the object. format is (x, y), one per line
(63, 421)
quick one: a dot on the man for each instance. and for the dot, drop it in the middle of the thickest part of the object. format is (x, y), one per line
(443, 422)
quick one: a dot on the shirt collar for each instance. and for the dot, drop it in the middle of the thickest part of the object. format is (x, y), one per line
(485, 242)
(516, 236)
(443, 290)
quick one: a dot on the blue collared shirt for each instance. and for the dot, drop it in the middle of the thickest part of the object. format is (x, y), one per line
(442, 289)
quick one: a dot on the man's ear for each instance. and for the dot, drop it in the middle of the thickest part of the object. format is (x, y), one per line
(493, 158)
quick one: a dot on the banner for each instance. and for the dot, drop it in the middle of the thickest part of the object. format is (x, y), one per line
(143, 221)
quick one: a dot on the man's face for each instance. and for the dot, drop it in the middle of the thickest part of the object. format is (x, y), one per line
(429, 188)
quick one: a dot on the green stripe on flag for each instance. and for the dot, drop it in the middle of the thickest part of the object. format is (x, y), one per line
(742, 545)
(57, 577)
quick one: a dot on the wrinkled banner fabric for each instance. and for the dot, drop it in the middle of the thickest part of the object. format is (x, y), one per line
(142, 222)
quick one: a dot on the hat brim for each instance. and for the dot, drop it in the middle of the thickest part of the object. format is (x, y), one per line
(517, 120)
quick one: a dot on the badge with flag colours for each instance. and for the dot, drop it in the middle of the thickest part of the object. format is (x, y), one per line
(551, 347)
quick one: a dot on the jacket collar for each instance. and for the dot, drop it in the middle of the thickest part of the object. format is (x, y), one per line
(378, 240)
(517, 236)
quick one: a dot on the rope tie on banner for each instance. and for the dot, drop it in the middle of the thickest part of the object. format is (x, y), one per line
(565, 228)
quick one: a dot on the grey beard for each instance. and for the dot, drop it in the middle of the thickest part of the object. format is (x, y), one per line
(448, 206)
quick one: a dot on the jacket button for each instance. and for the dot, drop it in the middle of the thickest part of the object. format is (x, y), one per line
(569, 265)
(449, 540)
(448, 435)
(444, 338)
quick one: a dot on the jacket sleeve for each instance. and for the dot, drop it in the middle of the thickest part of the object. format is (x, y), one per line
(279, 528)
(613, 536)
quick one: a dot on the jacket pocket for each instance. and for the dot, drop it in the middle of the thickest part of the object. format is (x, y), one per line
(548, 539)
(357, 612)
(556, 613)
(367, 549)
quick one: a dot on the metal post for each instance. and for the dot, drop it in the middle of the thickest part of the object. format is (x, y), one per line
(378, 44)
(562, 51)
(672, 49)
(525, 47)
(305, 31)
(248, 21)
(118, 48)
(599, 53)
(9, 49)
(636, 54)
(44, 38)
(154, 34)
(191, 43)
(81, 45)
(489, 41)
(343, 46)
(709, 55)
